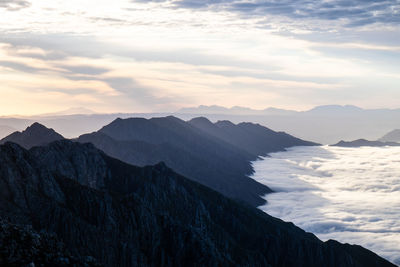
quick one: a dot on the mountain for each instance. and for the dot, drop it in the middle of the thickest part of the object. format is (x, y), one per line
(253, 138)
(393, 136)
(335, 110)
(323, 124)
(22, 246)
(124, 215)
(186, 149)
(236, 110)
(34, 135)
(363, 142)
(212, 160)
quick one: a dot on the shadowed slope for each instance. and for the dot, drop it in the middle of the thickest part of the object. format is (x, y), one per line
(253, 138)
(186, 149)
(130, 216)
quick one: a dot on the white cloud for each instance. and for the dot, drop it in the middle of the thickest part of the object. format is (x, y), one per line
(347, 194)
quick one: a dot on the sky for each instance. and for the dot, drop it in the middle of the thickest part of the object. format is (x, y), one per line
(346, 194)
(162, 55)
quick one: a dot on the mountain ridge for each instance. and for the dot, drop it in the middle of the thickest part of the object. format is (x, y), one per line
(130, 216)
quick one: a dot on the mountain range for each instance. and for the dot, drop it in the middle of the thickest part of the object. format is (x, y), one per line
(198, 149)
(122, 215)
(363, 142)
(323, 124)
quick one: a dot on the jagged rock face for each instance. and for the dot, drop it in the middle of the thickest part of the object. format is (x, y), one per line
(34, 135)
(130, 216)
(22, 246)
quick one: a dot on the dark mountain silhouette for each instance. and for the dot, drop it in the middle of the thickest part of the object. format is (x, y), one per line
(363, 142)
(34, 135)
(393, 136)
(253, 138)
(186, 149)
(215, 161)
(130, 216)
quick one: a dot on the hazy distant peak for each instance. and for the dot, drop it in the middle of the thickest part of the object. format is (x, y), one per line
(393, 136)
(364, 142)
(335, 108)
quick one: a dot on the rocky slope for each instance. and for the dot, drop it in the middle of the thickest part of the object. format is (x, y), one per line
(130, 216)
(22, 246)
(218, 160)
(34, 135)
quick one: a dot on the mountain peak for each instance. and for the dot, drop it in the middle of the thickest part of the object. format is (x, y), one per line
(35, 135)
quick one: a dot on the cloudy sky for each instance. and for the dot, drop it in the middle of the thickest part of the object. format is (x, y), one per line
(140, 56)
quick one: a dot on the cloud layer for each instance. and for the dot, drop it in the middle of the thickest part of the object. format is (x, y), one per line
(347, 194)
(138, 56)
(354, 13)
(14, 5)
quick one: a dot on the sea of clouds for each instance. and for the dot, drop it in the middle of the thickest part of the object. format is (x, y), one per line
(348, 194)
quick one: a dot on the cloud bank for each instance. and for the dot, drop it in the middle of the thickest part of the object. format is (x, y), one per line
(354, 13)
(347, 194)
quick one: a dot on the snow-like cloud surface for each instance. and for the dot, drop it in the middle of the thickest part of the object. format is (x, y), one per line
(348, 194)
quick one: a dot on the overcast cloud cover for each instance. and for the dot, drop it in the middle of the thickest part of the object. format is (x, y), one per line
(348, 194)
(137, 56)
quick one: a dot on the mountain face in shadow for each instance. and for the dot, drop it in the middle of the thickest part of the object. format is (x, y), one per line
(363, 142)
(34, 135)
(215, 159)
(253, 138)
(22, 246)
(124, 215)
(393, 136)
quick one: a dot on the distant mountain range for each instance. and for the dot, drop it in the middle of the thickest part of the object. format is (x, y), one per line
(144, 216)
(363, 142)
(323, 124)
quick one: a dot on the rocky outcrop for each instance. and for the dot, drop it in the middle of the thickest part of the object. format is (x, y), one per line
(124, 215)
